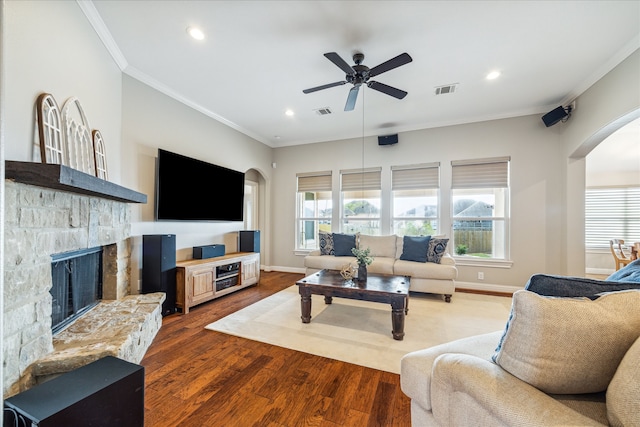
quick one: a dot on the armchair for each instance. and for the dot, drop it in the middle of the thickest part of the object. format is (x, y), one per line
(561, 360)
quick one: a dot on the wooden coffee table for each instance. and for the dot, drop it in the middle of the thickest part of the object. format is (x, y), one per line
(384, 288)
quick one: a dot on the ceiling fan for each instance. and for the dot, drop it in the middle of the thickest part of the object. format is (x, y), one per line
(359, 74)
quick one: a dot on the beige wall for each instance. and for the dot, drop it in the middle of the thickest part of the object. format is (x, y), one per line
(51, 47)
(536, 202)
(602, 109)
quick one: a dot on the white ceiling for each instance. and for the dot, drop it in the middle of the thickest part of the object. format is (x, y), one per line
(258, 56)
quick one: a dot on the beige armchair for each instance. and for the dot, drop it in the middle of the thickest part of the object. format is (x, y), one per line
(535, 373)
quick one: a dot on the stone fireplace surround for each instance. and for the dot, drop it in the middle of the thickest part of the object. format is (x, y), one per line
(52, 209)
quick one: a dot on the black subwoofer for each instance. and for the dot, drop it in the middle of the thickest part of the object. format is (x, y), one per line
(106, 393)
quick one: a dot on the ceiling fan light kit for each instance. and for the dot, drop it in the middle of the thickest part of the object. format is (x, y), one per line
(359, 74)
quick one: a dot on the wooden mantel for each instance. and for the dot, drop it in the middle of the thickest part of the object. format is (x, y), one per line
(64, 178)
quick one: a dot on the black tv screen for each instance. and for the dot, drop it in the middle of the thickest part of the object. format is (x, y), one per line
(193, 190)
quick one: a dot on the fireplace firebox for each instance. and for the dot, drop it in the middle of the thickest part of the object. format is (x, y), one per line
(77, 285)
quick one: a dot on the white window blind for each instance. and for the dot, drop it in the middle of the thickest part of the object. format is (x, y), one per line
(415, 176)
(315, 181)
(480, 173)
(359, 179)
(612, 213)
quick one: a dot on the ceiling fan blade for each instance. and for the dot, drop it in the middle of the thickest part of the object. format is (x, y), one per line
(351, 100)
(327, 86)
(341, 63)
(396, 62)
(389, 90)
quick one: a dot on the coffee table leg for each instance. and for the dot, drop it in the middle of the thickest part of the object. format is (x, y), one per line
(305, 305)
(328, 300)
(398, 307)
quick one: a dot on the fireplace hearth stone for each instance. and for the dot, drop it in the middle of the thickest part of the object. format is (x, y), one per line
(122, 328)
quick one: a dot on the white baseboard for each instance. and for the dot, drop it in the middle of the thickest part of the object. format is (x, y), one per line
(284, 269)
(487, 287)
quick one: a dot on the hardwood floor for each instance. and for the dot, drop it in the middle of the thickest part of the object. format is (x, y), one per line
(197, 377)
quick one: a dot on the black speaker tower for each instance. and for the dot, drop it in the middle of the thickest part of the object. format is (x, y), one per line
(159, 268)
(249, 241)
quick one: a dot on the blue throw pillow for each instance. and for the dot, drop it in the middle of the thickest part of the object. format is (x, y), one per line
(575, 287)
(437, 248)
(415, 248)
(629, 273)
(343, 243)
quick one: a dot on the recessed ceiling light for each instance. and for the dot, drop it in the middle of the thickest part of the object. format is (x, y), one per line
(196, 33)
(289, 113)
(493, 75)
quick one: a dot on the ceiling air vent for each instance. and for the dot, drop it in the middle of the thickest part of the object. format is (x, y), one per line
(323, 111)
(441, 90)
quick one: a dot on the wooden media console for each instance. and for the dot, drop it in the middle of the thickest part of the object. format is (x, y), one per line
(201, 280)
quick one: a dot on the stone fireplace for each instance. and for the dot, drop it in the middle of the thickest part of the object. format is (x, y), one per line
(56, 210)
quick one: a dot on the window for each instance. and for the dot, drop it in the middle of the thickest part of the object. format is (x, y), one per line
(611, 213)
(361, 193)
(314, 207)
(415, 199)
(480, 198)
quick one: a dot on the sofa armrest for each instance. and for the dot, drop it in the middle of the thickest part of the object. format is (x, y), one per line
(314, 253)
(469, 390)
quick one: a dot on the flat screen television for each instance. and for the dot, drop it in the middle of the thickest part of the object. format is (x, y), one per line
(193, 190)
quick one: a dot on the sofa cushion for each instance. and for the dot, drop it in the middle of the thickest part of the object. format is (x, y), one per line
(326, 243)
(568, 345)
(425, 270)
(343, 243)
(414, 248)
(565, 286)
(629, 273)
(382, 265)
(379, 246)
(437, 248)
(623, 394)
(328, 262)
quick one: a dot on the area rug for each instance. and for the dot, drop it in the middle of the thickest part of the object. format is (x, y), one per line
(359, 332)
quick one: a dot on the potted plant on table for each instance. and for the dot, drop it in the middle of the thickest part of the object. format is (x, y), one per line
(363, 258)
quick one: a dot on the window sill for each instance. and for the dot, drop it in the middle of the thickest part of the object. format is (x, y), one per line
(302, 252)
(482, 262)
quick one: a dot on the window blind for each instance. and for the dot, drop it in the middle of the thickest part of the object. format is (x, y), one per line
(612, 213)
(415, 176)
(480, 173)
(359, 179)
(314, 181)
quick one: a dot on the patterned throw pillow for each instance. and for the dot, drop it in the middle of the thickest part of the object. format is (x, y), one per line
(437, 248)
(326, 243)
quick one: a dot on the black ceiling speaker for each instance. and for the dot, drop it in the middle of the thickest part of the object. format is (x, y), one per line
(555, 115)
(388, 139)
(359, 74)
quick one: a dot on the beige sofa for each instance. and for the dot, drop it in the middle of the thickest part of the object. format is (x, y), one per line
(569, 362)
(428, 277)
